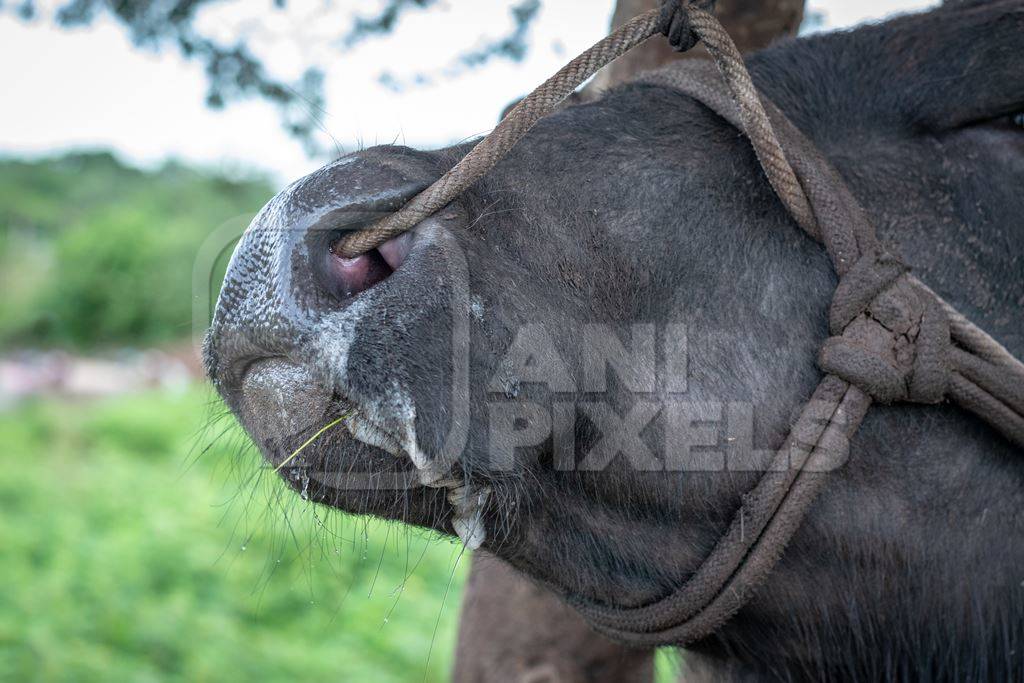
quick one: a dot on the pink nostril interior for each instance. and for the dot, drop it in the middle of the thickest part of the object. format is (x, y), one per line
(358, 274)
(354, 275)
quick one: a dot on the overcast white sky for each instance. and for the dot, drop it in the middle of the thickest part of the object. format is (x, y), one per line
(91, 89)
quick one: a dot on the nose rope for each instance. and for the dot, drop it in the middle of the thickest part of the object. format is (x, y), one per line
(893, 339)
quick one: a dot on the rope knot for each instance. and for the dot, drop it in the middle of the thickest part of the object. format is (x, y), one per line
(674, 22)
(890, 338)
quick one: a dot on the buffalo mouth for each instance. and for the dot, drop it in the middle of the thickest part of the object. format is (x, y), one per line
(336, 451)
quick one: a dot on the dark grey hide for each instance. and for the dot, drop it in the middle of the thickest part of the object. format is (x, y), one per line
(645, 208)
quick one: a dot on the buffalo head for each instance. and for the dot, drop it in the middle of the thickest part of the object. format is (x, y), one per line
(581, 363)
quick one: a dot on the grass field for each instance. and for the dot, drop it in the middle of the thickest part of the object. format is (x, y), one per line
(127, 555)
(139, 541)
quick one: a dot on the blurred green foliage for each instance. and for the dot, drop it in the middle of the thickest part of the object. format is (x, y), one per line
(125, 559)
(96, 253)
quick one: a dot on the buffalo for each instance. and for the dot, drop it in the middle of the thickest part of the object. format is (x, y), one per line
(579, 363)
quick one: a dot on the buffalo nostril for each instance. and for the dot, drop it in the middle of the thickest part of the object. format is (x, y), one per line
(353, 275)
(350, 276)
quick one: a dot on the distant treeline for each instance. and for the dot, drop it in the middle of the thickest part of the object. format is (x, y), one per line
(94, 253)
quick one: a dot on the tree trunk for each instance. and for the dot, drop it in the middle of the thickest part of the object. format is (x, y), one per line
(514, 630)
(511, 629)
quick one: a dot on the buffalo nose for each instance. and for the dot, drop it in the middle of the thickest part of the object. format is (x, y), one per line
(284, 276)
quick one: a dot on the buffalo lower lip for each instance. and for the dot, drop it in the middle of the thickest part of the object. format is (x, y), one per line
(467, 500)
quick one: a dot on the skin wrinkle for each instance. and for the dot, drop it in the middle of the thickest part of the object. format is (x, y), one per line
(660, 213)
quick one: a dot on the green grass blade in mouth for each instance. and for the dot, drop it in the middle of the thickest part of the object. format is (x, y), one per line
(309, 441)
